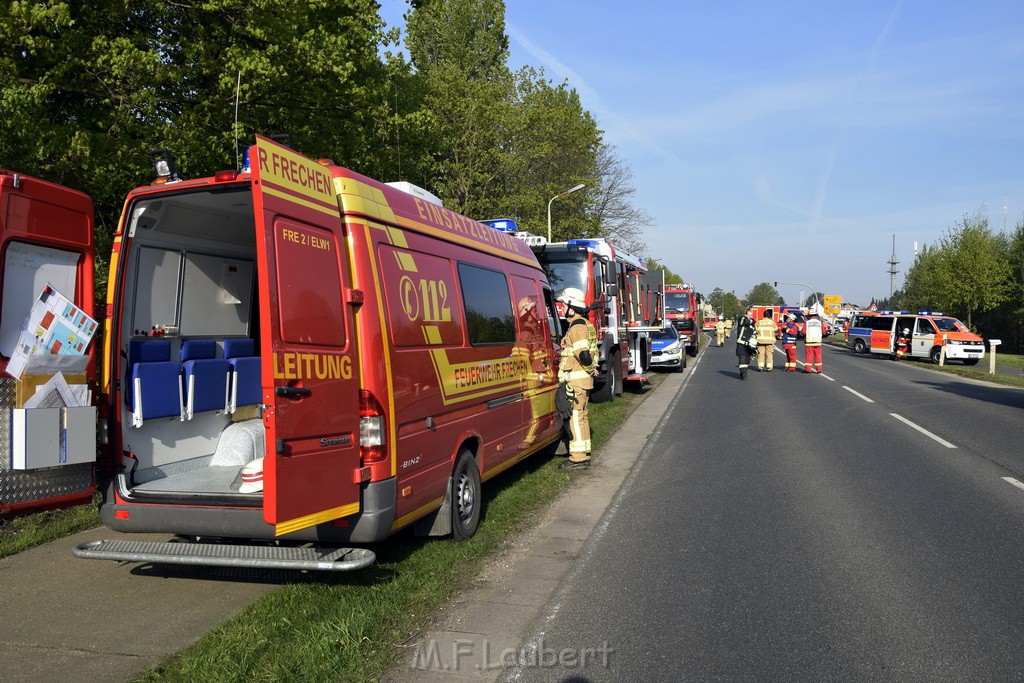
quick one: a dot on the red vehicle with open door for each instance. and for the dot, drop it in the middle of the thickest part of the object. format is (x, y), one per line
(46, 245)
(300, 353)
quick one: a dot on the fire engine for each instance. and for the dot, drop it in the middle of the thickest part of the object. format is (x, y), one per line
(46, 245)
(681, 309)
(625, 301)
(296, 353)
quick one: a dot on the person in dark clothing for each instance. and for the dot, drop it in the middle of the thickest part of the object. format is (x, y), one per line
(746, 342)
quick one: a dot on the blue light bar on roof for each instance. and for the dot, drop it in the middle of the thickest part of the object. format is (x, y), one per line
(502, 224)
(592, 244)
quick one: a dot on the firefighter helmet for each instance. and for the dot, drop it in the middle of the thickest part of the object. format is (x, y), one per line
(906, 330)
(571, 296)
(791, 316)
(526, 304)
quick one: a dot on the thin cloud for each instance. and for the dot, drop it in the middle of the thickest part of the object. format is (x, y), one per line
(821, 190)
(623, 126)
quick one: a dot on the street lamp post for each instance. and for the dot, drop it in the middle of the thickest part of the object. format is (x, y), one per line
(802, 284)
(560, 194)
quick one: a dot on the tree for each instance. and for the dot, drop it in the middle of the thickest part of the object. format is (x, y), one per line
(459, 50)
(551, 147)
(967, 273)
(927, 281)
(725, 303)
(982, 276)
(670, 277)
(620, 220)
(764, 294)
(87, 89)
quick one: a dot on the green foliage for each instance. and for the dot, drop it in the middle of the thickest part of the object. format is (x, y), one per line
(968, 272)
(764, 294)
(551, 147)
(671, 278)
(725, 303)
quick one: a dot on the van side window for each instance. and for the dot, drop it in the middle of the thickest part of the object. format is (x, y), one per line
(881, 323)
(421, 298)
(488, 306)
(924, 326)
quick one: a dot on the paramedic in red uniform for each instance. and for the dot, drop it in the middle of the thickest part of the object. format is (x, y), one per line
(579, 357)
(902, 343)
(790, 331)
(812, 344)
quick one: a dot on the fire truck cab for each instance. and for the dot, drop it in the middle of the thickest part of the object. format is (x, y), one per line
(625, 301)
(298, 353)
(681, 309)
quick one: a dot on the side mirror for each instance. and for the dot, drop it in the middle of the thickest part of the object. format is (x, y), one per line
(611, 290)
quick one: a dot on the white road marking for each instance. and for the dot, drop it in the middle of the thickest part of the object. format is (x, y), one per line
(830, 379)
(923, 430)
(858, 394)
(1011, 480)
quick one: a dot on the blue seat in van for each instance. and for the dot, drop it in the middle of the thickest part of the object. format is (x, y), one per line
(155, 381)
(205, 377)
(246, 384)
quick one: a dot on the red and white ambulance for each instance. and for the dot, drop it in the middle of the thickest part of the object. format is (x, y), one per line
(301, 353)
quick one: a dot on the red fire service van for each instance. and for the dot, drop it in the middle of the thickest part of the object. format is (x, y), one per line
(301, 353)
(46, 330)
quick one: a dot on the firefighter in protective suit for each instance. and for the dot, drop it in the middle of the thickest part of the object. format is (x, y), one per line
(720, 332)
(579, 358)
(767, 332)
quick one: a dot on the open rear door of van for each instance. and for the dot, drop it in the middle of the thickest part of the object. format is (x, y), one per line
(307, 342)
(46, 249)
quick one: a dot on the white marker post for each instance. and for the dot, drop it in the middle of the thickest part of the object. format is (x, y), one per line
(993, 343)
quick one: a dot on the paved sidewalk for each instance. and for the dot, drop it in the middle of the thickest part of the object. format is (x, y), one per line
(66, 619)
(494, 616)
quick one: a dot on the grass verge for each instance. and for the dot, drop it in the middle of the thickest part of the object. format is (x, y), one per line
(22, 533)
(346, 627)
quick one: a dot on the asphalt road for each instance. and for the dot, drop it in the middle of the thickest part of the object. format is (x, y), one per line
(863, 524)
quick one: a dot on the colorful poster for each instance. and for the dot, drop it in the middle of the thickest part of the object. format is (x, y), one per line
(54, 326)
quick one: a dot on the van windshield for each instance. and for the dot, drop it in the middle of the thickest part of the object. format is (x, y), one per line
(677, 301)
(949, 325)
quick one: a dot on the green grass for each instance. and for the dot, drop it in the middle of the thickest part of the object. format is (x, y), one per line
(347, 627)
(1011, 359)
(21, 533)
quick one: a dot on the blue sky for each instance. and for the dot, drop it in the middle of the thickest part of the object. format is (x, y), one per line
(789, 141)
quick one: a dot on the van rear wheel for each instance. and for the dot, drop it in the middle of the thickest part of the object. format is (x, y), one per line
(465, 496)
(859, 346)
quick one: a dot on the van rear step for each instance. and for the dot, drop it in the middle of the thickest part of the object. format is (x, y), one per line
(208, 554)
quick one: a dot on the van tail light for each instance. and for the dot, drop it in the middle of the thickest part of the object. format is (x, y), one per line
(371, 428)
